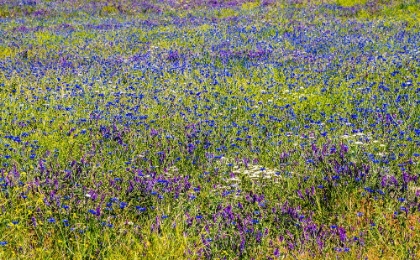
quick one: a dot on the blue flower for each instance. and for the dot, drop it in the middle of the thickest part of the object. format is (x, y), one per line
(3, 243)
(123, 205)
(141, 209)
(51, 220)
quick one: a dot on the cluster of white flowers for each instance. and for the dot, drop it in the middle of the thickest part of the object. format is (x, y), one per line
(257, 172)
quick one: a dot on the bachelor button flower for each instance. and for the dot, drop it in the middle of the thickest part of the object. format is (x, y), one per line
(141, 209)
(369, 189)
(3, 243)
(123, 205)
(51, 220)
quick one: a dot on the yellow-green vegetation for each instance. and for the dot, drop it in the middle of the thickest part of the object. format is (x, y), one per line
(7, 52)
(348, 3)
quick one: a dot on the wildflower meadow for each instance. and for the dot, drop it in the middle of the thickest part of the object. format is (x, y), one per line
(209, 129)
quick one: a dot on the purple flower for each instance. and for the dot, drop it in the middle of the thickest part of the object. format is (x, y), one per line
(342, 234)
(153, 132)
(33, 219)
